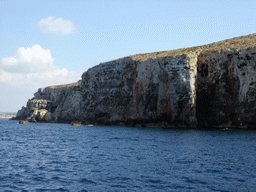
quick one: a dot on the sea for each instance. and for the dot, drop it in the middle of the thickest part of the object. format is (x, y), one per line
(59, 157)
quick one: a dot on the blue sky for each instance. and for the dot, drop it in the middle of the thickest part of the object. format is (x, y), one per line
(53, 42)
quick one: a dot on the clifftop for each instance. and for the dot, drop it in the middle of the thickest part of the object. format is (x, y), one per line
(241, 42)
(63, 85)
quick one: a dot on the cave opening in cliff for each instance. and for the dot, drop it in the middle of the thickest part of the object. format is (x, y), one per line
(203, 109)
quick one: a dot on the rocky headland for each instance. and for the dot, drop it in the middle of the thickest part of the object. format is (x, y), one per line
(212, 85)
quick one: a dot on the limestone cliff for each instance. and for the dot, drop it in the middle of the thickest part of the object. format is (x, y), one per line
(211, 85)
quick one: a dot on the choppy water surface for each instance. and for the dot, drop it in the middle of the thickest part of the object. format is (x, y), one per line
(60, 157)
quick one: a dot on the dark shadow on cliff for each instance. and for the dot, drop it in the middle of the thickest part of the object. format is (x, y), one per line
(217, 92)
(203, 96)
(202, 108)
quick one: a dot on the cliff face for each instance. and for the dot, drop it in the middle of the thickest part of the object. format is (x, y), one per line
(124, 91)
(132, 92)
(202, 88)
(226, 88)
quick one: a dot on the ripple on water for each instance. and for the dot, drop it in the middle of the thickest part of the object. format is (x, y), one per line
(86, 181)
(56, 157)
(51, 189)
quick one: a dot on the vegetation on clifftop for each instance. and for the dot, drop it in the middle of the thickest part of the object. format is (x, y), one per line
(64, 85)
(241, 42)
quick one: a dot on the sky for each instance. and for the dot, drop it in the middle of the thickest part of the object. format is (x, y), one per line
(53, 42)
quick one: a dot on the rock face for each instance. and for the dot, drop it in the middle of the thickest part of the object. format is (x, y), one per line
(226, 88)
(205, 88)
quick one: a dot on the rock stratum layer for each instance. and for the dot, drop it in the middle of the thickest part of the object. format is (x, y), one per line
(203, 88)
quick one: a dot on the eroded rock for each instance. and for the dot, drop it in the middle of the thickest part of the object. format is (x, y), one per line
(23, 122)
(76, 123)
(214, 88)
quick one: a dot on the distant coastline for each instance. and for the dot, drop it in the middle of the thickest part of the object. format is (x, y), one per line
(7, 115)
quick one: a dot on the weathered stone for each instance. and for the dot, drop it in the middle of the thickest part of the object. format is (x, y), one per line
(226, 89)
(23, 122)
(201, 89)
(33, 119)
(41, 114)
(22, 114)
(152, 125)
(48, 117)
(76, 123)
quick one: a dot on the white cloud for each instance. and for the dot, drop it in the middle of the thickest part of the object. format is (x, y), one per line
(56, 25)
(28, 60)
(34, 67)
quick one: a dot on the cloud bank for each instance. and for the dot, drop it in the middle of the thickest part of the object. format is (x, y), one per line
(34, 66)
(56, 25)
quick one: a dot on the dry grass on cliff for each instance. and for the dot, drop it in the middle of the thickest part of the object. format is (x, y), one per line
(241, 42)
(64, 85)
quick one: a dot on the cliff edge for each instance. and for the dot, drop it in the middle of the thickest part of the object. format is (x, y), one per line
(206, 86)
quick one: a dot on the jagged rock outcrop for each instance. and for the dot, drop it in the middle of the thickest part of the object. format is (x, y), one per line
(200, 88)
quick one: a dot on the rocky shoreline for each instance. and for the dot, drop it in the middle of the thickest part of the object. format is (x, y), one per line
(202, 88)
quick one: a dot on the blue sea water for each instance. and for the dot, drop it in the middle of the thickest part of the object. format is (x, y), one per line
(61, 157)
